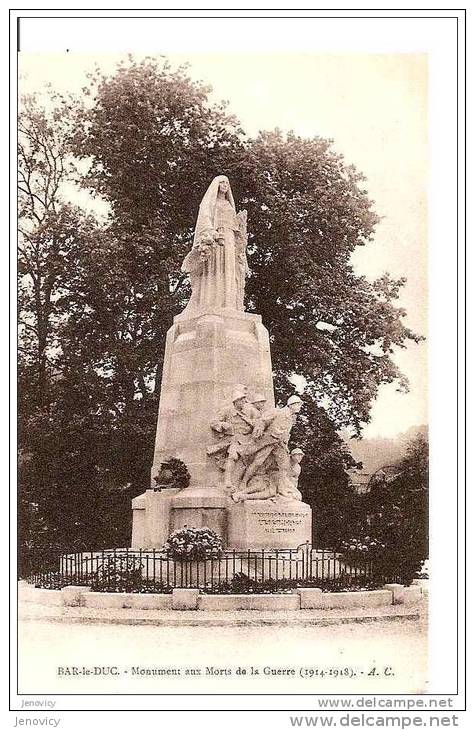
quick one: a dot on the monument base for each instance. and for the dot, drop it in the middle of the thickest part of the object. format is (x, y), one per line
(151, 519)
(250, 525)
(199, 507)
(265, 525)
(155, 515)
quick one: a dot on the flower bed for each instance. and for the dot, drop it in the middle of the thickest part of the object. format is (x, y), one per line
(239, 583)
(243, 584)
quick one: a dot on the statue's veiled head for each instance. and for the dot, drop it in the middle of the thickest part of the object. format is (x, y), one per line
(219, 185)
(223, 185)
(207, 211)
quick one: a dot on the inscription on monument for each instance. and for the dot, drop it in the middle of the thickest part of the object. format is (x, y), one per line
(269, 525)
(279, 521)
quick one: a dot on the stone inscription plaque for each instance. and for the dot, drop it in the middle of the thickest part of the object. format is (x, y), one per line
(279, 521)
(256, 525)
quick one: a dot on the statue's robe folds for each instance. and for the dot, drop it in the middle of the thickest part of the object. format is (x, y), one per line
(217, 263)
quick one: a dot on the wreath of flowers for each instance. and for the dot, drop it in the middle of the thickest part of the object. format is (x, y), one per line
(194, 543)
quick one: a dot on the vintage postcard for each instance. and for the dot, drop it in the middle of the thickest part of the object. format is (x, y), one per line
(232, 233)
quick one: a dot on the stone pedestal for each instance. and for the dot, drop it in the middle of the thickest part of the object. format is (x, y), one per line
(258, 525)
(151, 519)
(200, 507)
(205, 358)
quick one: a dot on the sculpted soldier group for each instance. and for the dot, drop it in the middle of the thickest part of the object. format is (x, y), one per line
(254, 442)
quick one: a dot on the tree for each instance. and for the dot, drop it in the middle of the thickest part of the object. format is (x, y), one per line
(59, 435)
(150, 136)
(47, 234)
(336, 329)
(396, 510)
(324, 480)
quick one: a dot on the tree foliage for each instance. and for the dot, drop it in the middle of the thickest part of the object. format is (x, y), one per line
(155, 142)
(396, 510)
(98, 298)
(64, 429)
(308, 212)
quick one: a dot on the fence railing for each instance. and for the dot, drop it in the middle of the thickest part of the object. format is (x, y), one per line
(153, 570)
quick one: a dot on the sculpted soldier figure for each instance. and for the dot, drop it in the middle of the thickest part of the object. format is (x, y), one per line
(236, 424)
(259, 401)
(270, 435)
(291, 490)
(261, 485)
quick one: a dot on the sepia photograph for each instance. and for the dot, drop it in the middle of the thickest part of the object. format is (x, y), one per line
(223, 372)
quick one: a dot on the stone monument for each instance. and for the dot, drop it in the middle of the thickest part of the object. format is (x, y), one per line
(217, 411)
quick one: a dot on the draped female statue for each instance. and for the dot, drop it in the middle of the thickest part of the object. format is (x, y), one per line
(217, 264)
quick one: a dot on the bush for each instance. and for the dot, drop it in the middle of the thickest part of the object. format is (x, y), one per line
(361, 551)
(124, 575)
(242, 583)
(152, 586)
(52, 581)
(106, 579)
(118, 574)
(389, 563)
(194, 543)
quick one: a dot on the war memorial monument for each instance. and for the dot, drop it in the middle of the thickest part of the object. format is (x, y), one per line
(217, 412)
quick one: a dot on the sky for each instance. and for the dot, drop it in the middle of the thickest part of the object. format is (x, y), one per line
(374, 107)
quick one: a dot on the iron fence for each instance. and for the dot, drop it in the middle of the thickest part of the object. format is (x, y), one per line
(233, 571)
